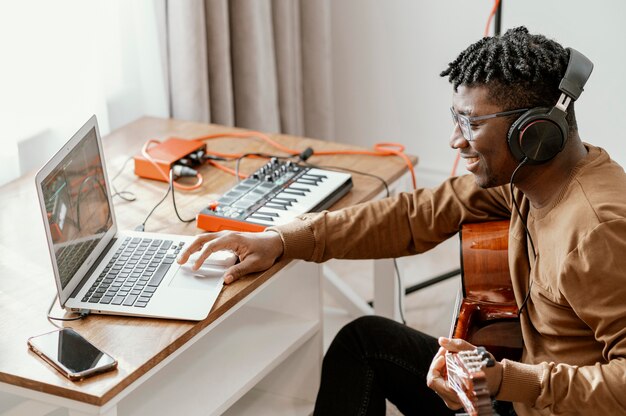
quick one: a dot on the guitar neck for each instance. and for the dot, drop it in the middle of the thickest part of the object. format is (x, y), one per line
(466, 376)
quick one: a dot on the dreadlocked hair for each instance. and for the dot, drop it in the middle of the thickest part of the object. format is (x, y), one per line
(520, 70)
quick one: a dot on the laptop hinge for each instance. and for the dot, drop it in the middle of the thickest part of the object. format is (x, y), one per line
(93, 267)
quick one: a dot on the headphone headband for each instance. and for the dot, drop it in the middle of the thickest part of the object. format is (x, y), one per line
(540, 134)
(576, 75)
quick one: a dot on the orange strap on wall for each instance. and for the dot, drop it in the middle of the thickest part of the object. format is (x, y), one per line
(491, 14)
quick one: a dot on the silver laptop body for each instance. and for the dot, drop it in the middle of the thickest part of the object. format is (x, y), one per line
(89, 253)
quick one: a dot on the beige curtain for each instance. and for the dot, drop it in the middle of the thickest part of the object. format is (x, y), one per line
(258, 64)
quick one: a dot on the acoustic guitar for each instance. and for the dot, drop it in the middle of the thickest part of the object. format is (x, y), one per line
(486, 313)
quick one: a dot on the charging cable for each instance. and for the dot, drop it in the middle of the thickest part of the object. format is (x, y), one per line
(81, 315)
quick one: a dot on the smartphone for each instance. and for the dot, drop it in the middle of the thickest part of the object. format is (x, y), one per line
(71, 354)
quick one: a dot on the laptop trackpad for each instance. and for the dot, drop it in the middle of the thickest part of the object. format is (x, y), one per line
(202, 279)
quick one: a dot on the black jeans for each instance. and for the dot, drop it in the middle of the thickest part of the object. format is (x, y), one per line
(372, 359)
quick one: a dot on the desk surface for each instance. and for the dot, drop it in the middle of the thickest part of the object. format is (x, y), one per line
(27, 285)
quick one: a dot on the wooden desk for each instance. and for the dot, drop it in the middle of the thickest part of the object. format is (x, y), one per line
(259, 348)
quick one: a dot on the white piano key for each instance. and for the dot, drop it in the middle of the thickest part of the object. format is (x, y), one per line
(304, 194)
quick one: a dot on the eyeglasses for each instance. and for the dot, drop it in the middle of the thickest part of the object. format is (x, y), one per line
(465, 122)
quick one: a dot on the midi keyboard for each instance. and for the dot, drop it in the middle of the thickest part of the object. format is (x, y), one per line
(274, 195)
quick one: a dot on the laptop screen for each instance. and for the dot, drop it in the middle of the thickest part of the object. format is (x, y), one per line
(77, 206)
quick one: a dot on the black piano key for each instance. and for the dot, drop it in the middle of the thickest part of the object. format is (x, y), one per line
(312, 178)
(315, 176)
(306, 182)
(300, 189)
(270, 214)
(260, 217)
(279, 202)
(287, 191)
(282, 198)
(269, 205)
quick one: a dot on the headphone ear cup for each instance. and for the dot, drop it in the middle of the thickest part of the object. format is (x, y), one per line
(538, 135)
(514, 134)
(541, 140)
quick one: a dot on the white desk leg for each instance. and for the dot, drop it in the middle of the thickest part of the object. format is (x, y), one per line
(387, 289)
(344, 294)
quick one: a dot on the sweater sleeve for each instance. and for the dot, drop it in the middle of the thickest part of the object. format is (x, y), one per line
(595, 287)
(406, 224)
(596, 290)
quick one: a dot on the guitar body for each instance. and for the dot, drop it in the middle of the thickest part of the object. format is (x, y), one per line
(486, 316)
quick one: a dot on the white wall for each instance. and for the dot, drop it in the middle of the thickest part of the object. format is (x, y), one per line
(387, 56)
(66, 60)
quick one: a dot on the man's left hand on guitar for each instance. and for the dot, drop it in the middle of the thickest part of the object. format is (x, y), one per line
(436, 378)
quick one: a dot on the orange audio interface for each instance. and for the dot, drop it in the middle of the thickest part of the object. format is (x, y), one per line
(165, 154)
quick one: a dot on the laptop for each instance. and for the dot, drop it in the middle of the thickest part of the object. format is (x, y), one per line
(102, 269)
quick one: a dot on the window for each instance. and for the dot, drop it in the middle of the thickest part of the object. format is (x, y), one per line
(66, 60)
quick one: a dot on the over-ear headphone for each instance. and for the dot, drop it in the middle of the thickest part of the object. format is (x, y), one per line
(541, 133)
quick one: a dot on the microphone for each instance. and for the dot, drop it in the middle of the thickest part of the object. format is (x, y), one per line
(306, 153)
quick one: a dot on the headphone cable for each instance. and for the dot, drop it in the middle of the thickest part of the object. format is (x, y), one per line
(530, 238)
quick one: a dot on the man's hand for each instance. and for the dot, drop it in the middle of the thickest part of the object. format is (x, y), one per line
(436, 378)
(256, 251)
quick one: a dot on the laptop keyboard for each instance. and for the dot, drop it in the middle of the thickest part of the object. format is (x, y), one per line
(134, 272)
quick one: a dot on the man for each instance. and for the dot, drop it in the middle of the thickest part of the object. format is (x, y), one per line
(567, 251)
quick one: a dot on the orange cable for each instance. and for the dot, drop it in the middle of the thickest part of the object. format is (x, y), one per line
(227, 170)
(493, 13)
(249, 135)
(380, 149)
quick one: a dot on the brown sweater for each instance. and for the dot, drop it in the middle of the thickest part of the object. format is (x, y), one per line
(574, 359)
